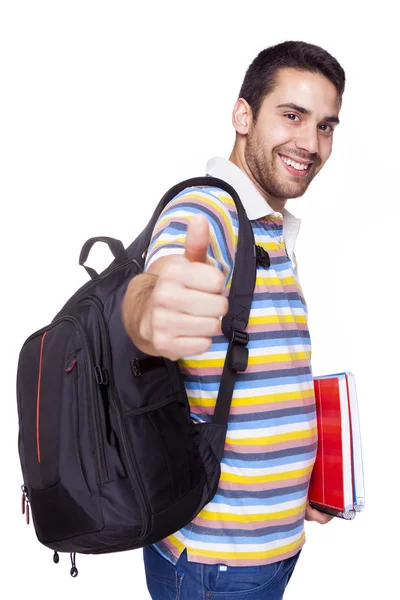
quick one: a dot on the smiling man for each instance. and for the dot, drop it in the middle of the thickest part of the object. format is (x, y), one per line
(245, 543)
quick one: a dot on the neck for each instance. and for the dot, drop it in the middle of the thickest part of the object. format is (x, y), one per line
(238, 159)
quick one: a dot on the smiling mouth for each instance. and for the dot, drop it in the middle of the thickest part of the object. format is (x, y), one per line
(298, 169)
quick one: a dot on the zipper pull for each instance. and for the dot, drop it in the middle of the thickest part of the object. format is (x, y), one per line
(74, 570)
(56, 558)
(25, 503)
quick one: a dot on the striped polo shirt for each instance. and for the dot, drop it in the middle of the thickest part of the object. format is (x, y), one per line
(257, 514)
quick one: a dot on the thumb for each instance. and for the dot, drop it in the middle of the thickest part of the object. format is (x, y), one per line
(197, 239)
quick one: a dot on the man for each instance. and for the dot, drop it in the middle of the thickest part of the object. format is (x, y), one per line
(246, 541)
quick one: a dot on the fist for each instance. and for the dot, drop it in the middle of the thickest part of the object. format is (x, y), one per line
(187, 302)
(313, 514)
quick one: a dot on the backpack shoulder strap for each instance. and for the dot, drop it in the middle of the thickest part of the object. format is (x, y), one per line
(241, 293)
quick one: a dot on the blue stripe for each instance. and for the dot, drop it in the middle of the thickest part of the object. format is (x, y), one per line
(274, 462)
(227, 539)
(271, 229)
(268, 455)
(265, 424)
(270, 303)
(250, 533)
(290, 489)
(274, 269)
(270, 415)
(254, 501)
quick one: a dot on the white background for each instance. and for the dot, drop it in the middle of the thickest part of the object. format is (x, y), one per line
(103, 107)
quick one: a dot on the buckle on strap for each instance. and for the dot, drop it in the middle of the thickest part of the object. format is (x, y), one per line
(238, 353)
(262, 256)
(239, 336)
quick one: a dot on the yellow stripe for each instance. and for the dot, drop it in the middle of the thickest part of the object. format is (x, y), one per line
(178, 545)
(275, 281)
(253, 360)
(273, 439)
(265, 478)
(265, 399)
(218, 554)
(223, 517)
(227, 200)
(277, 319)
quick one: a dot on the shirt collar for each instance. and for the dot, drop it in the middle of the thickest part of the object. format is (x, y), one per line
(254, 204)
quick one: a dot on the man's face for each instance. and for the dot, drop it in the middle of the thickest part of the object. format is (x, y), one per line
(292, 138)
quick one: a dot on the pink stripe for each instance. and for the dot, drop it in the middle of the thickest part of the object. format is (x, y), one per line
(171, 547)
(241, 448)
(264, 287)
(278, 253)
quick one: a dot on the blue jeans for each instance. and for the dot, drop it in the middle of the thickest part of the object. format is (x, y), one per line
(196, 581)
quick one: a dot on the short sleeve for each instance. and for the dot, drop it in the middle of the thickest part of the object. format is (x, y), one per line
(169, 234)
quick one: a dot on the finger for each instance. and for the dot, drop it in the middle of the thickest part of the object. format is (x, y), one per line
(195, 276)
(191, 302)
(316, 515)
(180, 324)
(197, 239)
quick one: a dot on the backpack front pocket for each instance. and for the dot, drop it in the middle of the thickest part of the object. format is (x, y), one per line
(56, 396)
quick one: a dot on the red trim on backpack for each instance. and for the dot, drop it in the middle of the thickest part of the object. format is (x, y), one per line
(38, 397)
(69, 369)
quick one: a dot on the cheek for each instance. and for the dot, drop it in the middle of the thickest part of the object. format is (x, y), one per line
(275, 136)
(325, 149)
(282, 136)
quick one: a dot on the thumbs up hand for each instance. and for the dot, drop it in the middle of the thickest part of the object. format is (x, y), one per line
(187, 302)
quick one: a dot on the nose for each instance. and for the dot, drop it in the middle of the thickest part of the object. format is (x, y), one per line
(307, 139)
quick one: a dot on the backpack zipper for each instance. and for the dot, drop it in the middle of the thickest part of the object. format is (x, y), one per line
(72, 373)
(130, 458)
(100, 453)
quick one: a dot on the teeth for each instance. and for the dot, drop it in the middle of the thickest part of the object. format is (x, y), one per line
(292, 163)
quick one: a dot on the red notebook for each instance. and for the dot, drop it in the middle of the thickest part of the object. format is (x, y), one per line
(337, 481)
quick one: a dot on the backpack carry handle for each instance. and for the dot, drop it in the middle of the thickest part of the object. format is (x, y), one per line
(116, 247)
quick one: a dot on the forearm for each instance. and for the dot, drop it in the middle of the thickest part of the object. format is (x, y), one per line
(135, 310)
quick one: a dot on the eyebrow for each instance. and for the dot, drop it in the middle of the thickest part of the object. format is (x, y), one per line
(306, 111)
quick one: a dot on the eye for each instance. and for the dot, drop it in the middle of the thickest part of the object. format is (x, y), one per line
(291, 116)
(328, 129)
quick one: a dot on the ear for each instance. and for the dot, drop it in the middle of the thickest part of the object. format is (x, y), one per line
(242, 116)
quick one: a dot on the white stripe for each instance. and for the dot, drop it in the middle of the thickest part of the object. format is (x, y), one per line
(273, 430)
(243, 472)
(267, 238)
(168, 237)
(164, 252)
(279, 350)
(288, 272)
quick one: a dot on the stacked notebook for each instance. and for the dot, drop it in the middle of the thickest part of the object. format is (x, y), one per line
(337, 482)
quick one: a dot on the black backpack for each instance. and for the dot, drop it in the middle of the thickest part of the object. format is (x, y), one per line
(111, 459)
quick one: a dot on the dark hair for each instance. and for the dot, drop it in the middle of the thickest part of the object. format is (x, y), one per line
(260, 78)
